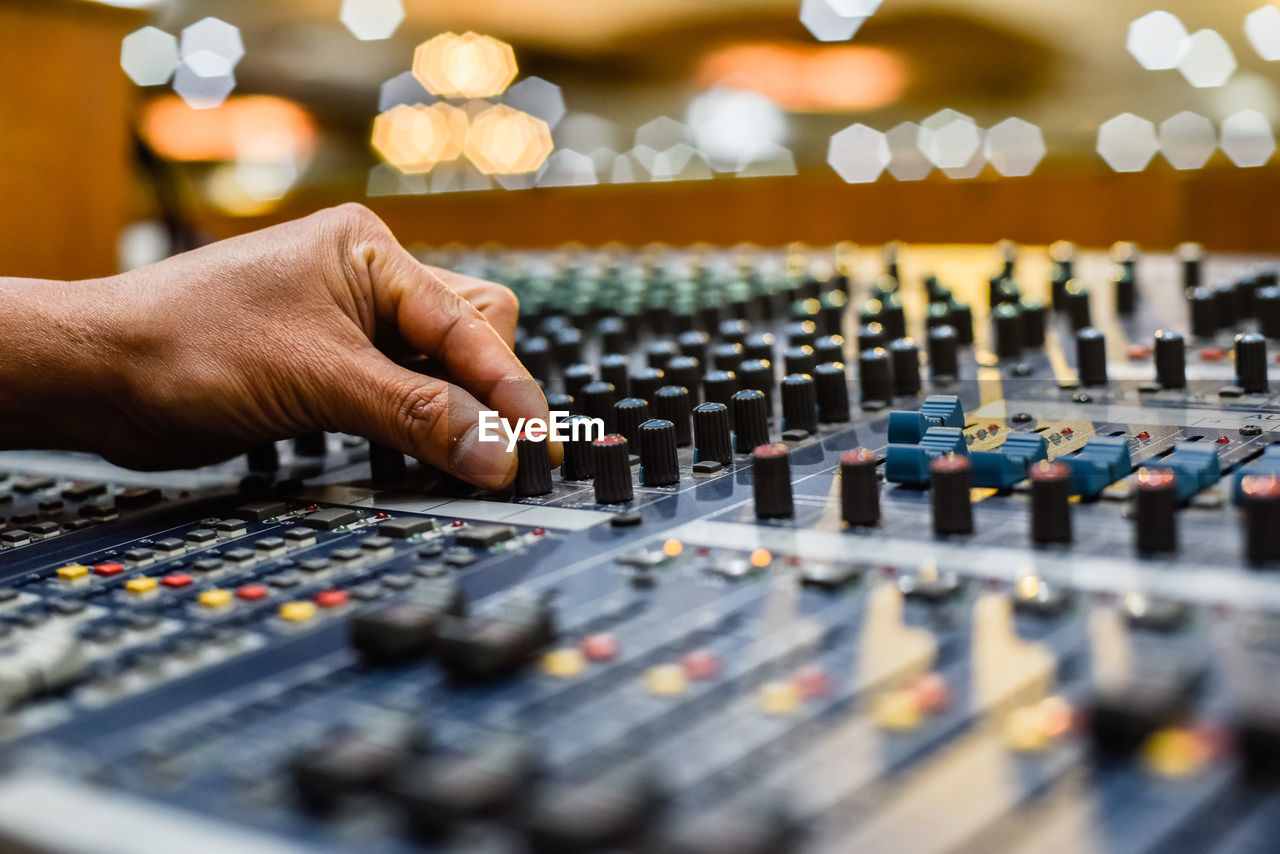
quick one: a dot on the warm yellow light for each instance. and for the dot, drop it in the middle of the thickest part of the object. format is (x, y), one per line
(414, 138)
(464, 66)
(672, 548)
(504, 141)
(258, 127)
(760, 558)
(811, 78)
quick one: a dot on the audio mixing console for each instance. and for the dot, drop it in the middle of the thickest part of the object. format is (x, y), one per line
(924, 549)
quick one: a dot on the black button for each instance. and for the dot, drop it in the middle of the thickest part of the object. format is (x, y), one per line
(317, 564)
(33, 483)
(402, 529)
(201, 536)
(261, 511)
(331, 518)
(139, 555)
(347, 555)
(207, 565)
(376, 544)
(484, 536)
(169, 545)
(136, 497)
(430, 550)
(231, 527)
(269, 544)
(299, 536)
(80, 491)
(285, 580)
(239, 555)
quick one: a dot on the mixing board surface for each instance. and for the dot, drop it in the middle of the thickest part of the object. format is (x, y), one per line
(915, 549)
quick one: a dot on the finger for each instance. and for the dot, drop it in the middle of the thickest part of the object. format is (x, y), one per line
(424, 417)
(497, 303)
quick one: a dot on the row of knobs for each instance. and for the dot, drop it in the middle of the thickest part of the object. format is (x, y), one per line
(1170, 353)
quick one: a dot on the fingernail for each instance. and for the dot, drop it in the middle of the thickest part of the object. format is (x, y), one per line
(487, 464)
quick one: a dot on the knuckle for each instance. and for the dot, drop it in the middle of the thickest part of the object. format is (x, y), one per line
(507, 300)
(423, 410)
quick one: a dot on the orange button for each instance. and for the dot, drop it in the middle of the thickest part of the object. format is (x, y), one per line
(253, 592)
(106, 570)
(177, 579)
(331, 598)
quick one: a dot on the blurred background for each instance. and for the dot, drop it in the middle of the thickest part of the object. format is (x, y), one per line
(135, 128)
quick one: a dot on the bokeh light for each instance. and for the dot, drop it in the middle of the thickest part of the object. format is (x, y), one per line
(505, 141)
(1015, 147)
(465, 66)
(1262, 28)
(826, 22)
(734, 128)
(256, 127)
(1127, 142)
(906, 161)
(1187, 140)
(371, 20)
(810, 78)
(215, 36)
(1247, 139)
(1207, 61)
(539, 98)
(204, 79)
(415, 138)
(1157, 40)
(404, 88)
(568, 168)
(149, 56)
(859, 154)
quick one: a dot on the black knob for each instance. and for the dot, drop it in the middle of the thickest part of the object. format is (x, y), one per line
(905, 356)
(614, 335)
(828, 348)
(629, 413)
(962, 320)
(1226, 298)
(659, 462)
(734, 331)
(386, 465)
(757, 374)
(1246, 288)
(568, 345)
(875, 375)
(1007, 323)
(1266, 305)
(1261, 501)
(831, 311)
(311, 445)
(1251, 363)
(760, 346)
(951, 478)
(720, 387)
(799, 360)
(535, 353)
(598, 399)
(616, 368)
(1192, 257)
(771, 482)
(1171, 360)
(1075, 304)
(750, 420)
(660, 353)
(802, 333)
(727, 357)
(799, 403)
(578, 456)
(871, 336)
(859, 488)
(711, 440)
(576, 378)
(266, 458)
(1204, 312)
(1091, 356)
(561, 403)
(1034, 320)
(833, 393)
(533, 474)
(1050, 502)
(943, 355)
(646, 382)
(1155, 506)
(1125, 288)
(611, 461)
(694, 344)
(939, 314)
(685, 371)
(672, 404)
(893, 317)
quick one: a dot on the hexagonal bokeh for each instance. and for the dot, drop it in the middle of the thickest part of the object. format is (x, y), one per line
(859, 154)
(215, 36)
(568, 168)
(1127, 142)
(662, 133)
(504, 141)
(1247, 139)
(1262, 27)
(680, 162)
(537, 97)
(204, 80)
(773, 162)
(735, 127)
(404, 88)
(855, 8)
(465, 66)
(1208, 61)
(1187, 140)
(826, 23)
(1015, 147)
(1157, 40)
(906, 161)
(371, 20)
(415, 138)
(149, 56)
(972, 167)
(952, 145)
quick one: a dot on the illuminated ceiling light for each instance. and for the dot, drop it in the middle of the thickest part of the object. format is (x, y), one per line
(735, 127)
(149, 56)
(404, 88)
(204, 79)
(215, 36)
(859, 154)
(1262, 27)
(504, 141)
(465, 66)
(1157, 40)
(827, 23)
(1247, 139)
(1208, 61)
(568, 168)
(257, 127)
(1015, 147)
(539, 98)
(810, 78)
(1127, 142)
(371, 20)
(906, 161)
(415, 138)
(1187, 140)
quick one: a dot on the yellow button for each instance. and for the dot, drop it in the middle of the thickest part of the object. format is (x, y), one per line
(666, 680)
(1175, 752)
(140, 585)
(1025, 730)
(73, 572)
(563, 663)
(297, 612)
(215, 598)
(897, 711)
(779, 698)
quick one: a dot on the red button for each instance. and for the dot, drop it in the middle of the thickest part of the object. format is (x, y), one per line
(458, 523)
(1222, 440)
(1137, 352)
(1067, 431)
(253, 592)
(106, 570)
(599, 647)
(383, 516)
(331, 598)
(177, 579)
(1213, 354)
(812, 682)
(1144, 435)
(700, 664)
